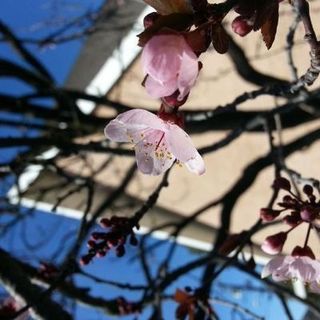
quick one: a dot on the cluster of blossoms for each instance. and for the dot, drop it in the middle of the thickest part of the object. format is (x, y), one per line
(119, 229)
(301, 264)
(174, 37)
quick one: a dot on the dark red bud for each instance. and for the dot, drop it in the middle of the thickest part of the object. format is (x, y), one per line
(274, 244)
(267, 214)
(308, 190)
(98, 235)
(293, 219)
(241, 26)
(150, 19)
(308, 213)
(282, 183)
(302, 252)
(120, 251)
(91, 243)
(105, 222)
(85, 259)
(101, 253)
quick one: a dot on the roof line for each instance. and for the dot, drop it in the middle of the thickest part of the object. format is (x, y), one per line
(114, 66)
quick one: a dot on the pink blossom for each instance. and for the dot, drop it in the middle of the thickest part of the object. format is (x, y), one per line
(170, 64)
(157, 143)
(289, 267)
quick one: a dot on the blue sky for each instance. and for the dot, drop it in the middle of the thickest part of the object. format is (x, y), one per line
(34, 19)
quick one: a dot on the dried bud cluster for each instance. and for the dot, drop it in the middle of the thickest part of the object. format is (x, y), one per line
(119, 229)
(301, 211)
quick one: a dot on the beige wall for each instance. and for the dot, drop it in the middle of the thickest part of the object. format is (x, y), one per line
(218, 84)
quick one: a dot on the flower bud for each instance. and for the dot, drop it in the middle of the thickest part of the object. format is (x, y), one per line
(292, 220)
(301, 252)
(105, 222)
(120, 251)
(274, 244)
(241, 26)
(308, 213)
(308, 190)
(267, 214)
(86, 259)
(150, 19)
(282, 183)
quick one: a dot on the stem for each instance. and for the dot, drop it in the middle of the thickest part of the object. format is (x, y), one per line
(308, 234)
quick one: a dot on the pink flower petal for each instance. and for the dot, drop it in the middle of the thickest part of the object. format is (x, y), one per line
(196, 165)
(181, 144)
(156, 89)
(304, 269)
(273, 265)
(161, 57)
(170, 64)
(188, 73)
(183, 149)
(129, 126)
(152, 154)
(157, 143)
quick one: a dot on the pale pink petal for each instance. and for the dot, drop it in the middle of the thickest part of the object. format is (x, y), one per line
(116, 131)
(130, 125)
(152, 154)
(272, 266)
(161, 56)
(141, 118)
(303, 268)
(188, 72)
(157, 89)
(196, 165)
(180, 143)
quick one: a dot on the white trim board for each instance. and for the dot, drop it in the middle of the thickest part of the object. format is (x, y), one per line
(115, 65)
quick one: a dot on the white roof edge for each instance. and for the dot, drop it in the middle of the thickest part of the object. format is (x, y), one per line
(114, 66)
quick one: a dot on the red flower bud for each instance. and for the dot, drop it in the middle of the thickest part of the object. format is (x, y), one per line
(267, 214)
(150, 19)
(300, 252)
(308, 190)
(282, 183)
(308, 213)
(292, 220)
(274, 244)
(241, 26)
(105, 222)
